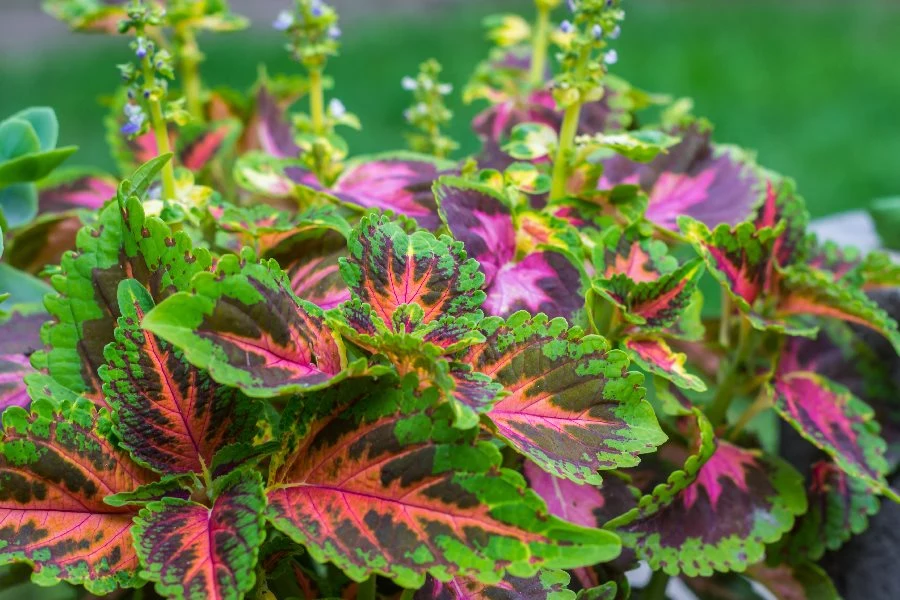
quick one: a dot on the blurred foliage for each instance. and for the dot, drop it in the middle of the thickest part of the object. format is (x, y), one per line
(813, 86)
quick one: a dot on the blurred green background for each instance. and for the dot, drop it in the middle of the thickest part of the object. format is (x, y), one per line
(812, 86)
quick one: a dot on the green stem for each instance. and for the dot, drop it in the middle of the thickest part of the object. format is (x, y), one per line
(718, 409)
(367, 589)
(316, 100)
(656, 589)
(191, 57)
(725, 321)
(407, 594)
(539, 46)
(161, 132)
(763, 402)
(567, 134)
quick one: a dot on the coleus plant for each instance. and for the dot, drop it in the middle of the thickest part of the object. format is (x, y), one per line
(262, 367)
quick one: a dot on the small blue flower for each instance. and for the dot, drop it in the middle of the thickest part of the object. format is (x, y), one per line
(141, 50)
(566, 27)
(611, 58)
(572, 5)
(317, 9)
(616, 33)
(334, 32)
(336, 108)
(597, 32)
(284, 21)
(135, 121)
(408, 83)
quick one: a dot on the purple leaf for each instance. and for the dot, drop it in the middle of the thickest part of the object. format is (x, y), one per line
(544, 282)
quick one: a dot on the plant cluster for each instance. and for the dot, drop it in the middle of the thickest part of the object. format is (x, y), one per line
(253, 365)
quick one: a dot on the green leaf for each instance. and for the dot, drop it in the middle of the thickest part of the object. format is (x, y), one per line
(639, 146)
(374, 477)
(886, 216)
(530, 141)
(18, 204)
(169, 415)
(717, 513)
(22, 287)
(654, 355)
(34, 166)
(244, 325)
(140, 181)
(193, 551)
(572, 405)
(787, 582)
(43, 121)
(17, 138)
(55, 469)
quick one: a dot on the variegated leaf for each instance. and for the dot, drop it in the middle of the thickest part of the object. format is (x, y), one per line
(375, 478)
(389, 268)
(245, 326)
(547, 282)
(832, 418)
(479, 217)
(573, 407)
(653, 305)
(713, 184)
(20, 336)
(56, 467)
(170, 415)
(193, 551)
(548, 584)
(839, 508)
(717, 513)
(654, 355)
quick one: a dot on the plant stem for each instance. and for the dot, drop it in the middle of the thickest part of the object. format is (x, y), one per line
(367, 589)
(763, 402)
(316, 100)
(656, 589)
(160, 131)
(725, 321)
(407, 594)
(567, 135)
(190, 57)
(539, 46)
(718, 409)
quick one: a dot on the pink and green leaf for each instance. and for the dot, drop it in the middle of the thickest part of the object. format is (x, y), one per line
(633, 254)
(582, 504)
(653, 305)
(794, 582)
(738, 257)
(199, 145)
(839, 508)
(20, 336)
(311, 260)
(76, 189)
(273, 131)
(717, 514)
(806, 292)
(246, 326)
(193, 551)
(547, 281)
(829, 416)
(654, 355)
(170, 415)
(709, 183)
(400, 183)
(572, 405)
(782, 204)
(55, 470)
(375, 478)
(43, 242)
(547, 584)
(478, 216)
(388, 268)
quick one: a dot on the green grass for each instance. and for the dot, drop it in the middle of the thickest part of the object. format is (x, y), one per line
(813, 87)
